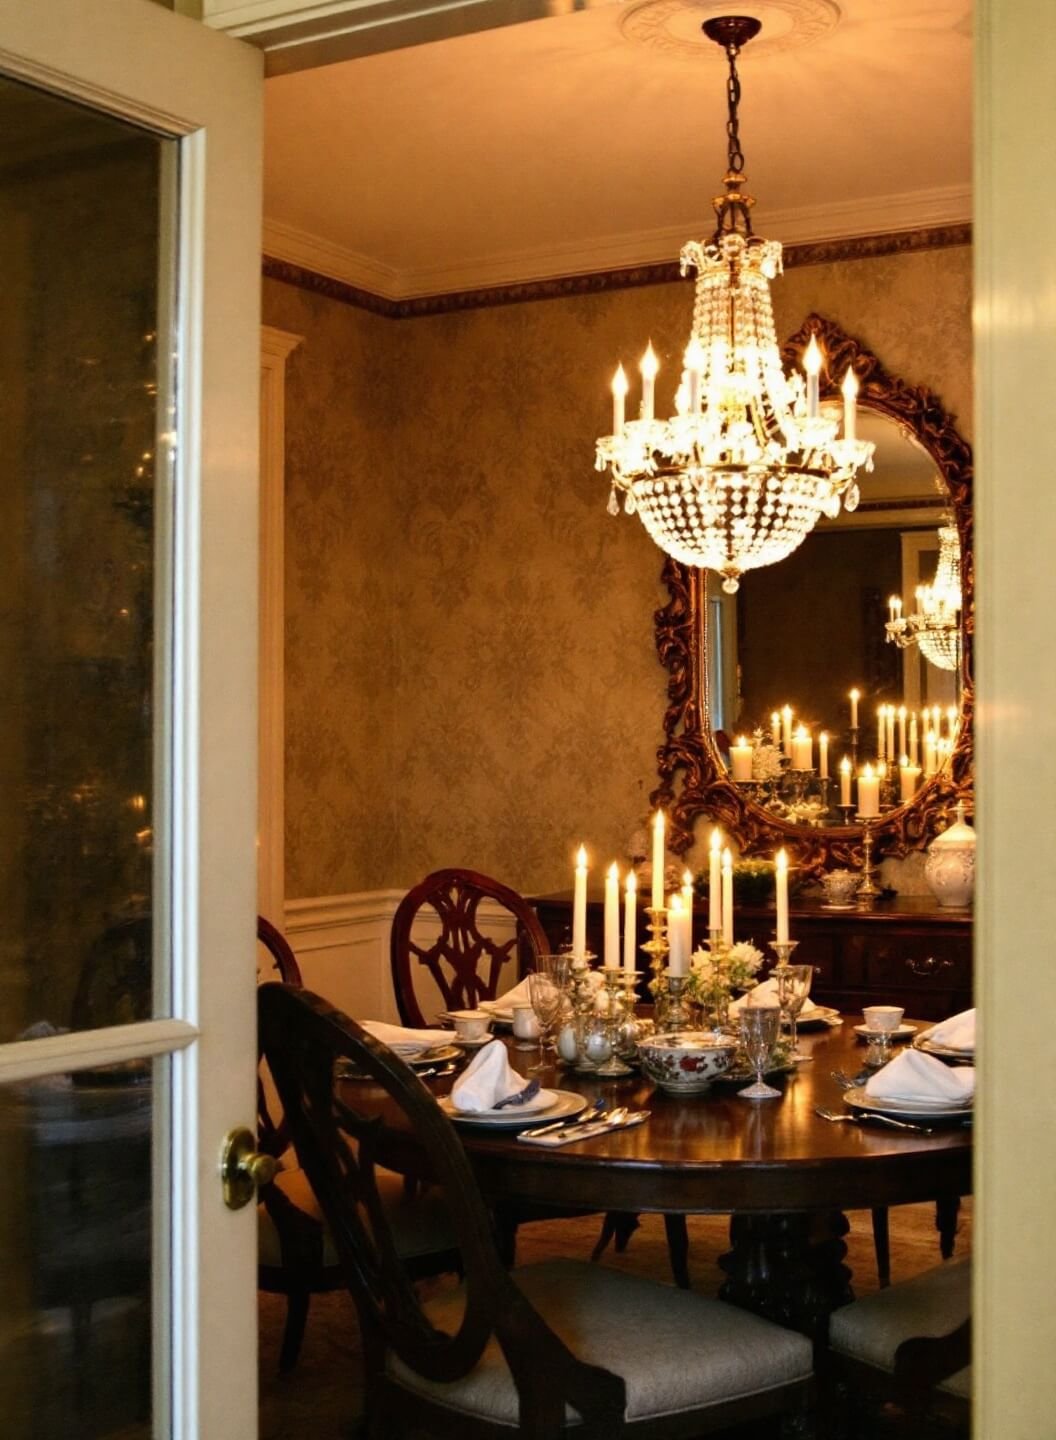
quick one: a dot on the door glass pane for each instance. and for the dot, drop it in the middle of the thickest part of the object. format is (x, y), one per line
(87, 208)
(78, 1153)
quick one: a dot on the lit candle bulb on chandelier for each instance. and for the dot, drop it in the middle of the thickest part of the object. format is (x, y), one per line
(812, 365)
(649, 366)
(619, 396)
(850, 405)
(894, 608)
(694, 359)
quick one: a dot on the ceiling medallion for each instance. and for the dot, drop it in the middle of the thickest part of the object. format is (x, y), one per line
(674, 26)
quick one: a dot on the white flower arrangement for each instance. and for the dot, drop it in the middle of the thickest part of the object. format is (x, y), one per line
(713, 977)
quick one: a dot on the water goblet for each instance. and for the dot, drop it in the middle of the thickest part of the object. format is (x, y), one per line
(793, 987)
(546, 995)
(759, 1030)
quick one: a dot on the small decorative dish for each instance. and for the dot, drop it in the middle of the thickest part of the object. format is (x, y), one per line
(816, 1018)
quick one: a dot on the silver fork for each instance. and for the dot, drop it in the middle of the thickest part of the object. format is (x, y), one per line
(841, 1118)
(846, 1082)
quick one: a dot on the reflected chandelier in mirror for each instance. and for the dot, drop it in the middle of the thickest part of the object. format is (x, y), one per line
(694, 780)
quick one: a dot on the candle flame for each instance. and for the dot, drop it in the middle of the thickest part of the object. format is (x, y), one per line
(620, 384)
(632, 882)
(812, 358)
(856, 694)
(581, 857)
(674, 904)
(727, 859)
(716, 839)
(845, 765)
(850, 384)
(658, 823)
(781, 859)
(649, 363)
(687, 878)
(614, 872)
(867, 773)
(695, 356)
(801, 733)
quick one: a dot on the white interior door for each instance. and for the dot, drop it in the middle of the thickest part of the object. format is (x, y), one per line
(129, 373)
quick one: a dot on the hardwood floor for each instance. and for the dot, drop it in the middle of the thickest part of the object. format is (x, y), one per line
(322, 1396)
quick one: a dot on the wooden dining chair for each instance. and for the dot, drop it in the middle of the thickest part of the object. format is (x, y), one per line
(547, 1350)
(296, 1256)
(466, 962)
(909, 1348)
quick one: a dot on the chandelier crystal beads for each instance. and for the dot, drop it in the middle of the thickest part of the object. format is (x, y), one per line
(741, 473)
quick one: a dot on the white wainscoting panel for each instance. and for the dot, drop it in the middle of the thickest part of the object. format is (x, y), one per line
(342, 946)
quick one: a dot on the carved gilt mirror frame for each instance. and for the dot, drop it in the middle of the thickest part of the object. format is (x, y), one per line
(693, 778)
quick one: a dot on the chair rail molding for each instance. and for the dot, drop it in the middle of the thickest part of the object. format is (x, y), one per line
(302, 34)
(276, 346)
(342, 946)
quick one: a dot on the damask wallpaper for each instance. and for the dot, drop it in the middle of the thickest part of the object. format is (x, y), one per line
(471, 673)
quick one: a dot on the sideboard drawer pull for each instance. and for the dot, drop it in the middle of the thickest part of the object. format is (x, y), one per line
(928, 966)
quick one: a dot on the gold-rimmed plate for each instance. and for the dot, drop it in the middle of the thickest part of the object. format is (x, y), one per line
(857, 1098)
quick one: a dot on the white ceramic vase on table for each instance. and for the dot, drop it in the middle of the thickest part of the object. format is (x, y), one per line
(950, 866)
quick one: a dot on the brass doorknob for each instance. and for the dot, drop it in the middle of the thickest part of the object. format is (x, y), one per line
(243, 1169)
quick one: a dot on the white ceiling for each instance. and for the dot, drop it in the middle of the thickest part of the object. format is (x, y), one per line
(595, 140)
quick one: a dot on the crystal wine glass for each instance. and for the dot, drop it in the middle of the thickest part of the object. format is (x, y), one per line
(793, 987)
(546, 996)
(759, 1030)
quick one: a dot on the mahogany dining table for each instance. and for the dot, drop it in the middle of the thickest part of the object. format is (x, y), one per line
(783, 1174)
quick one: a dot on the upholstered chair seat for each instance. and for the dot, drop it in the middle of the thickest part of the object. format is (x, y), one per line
(928, 1307)
(634, 1327)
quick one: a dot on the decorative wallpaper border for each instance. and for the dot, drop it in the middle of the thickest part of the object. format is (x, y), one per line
(822, 252)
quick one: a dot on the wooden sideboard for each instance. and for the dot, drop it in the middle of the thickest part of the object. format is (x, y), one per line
(904, 951)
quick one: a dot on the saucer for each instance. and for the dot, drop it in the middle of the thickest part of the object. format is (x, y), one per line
(900, 1032)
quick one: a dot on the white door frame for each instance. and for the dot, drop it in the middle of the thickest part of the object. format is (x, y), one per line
(176, 77)
(276, 346)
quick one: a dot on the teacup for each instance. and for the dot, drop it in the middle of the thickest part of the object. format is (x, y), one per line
(471, 1025)
(525, 1023)
(883, 1019)
(840, 886)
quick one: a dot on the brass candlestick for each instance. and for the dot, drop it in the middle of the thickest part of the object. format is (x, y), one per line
(868, 890)
(613, 1066)
(656, 948)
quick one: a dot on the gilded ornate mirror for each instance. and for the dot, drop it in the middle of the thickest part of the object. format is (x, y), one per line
(807, 631)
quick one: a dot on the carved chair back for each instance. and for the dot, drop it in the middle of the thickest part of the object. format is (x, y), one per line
(464, 963)
(272, 1133)
(339, 1148)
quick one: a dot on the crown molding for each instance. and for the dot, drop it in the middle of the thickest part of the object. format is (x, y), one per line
(922, 210)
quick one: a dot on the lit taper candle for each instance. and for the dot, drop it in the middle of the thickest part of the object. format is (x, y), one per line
(659, 855)
(630, 923)
(649, 366)
(619, 396)
(715, 882)
(579, 906)
(612, 915)
(781, 878)
(727, 896)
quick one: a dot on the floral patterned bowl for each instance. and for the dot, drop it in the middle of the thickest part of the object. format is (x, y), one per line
(685, 1062)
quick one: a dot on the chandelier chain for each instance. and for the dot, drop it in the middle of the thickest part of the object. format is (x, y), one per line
(734, 153)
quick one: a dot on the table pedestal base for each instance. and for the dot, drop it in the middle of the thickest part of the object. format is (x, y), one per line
(789, 1268)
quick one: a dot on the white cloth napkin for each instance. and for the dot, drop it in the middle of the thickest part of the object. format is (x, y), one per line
(486, 1080)
(919, 1077)
(521, 995)
(766, 994)
(958, 1032)
(406, 1042)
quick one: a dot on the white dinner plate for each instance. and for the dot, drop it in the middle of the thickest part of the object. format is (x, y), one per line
(820, 1015)
(900, 1032)
(857, 1098)
(944, 1052)
(558, 1105)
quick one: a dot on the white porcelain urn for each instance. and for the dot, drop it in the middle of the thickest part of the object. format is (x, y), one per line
(950, 866)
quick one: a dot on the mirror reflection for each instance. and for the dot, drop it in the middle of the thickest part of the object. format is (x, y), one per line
(834, 678)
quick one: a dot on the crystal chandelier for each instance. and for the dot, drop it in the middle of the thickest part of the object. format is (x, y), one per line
(740, 474)
(936, 626)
